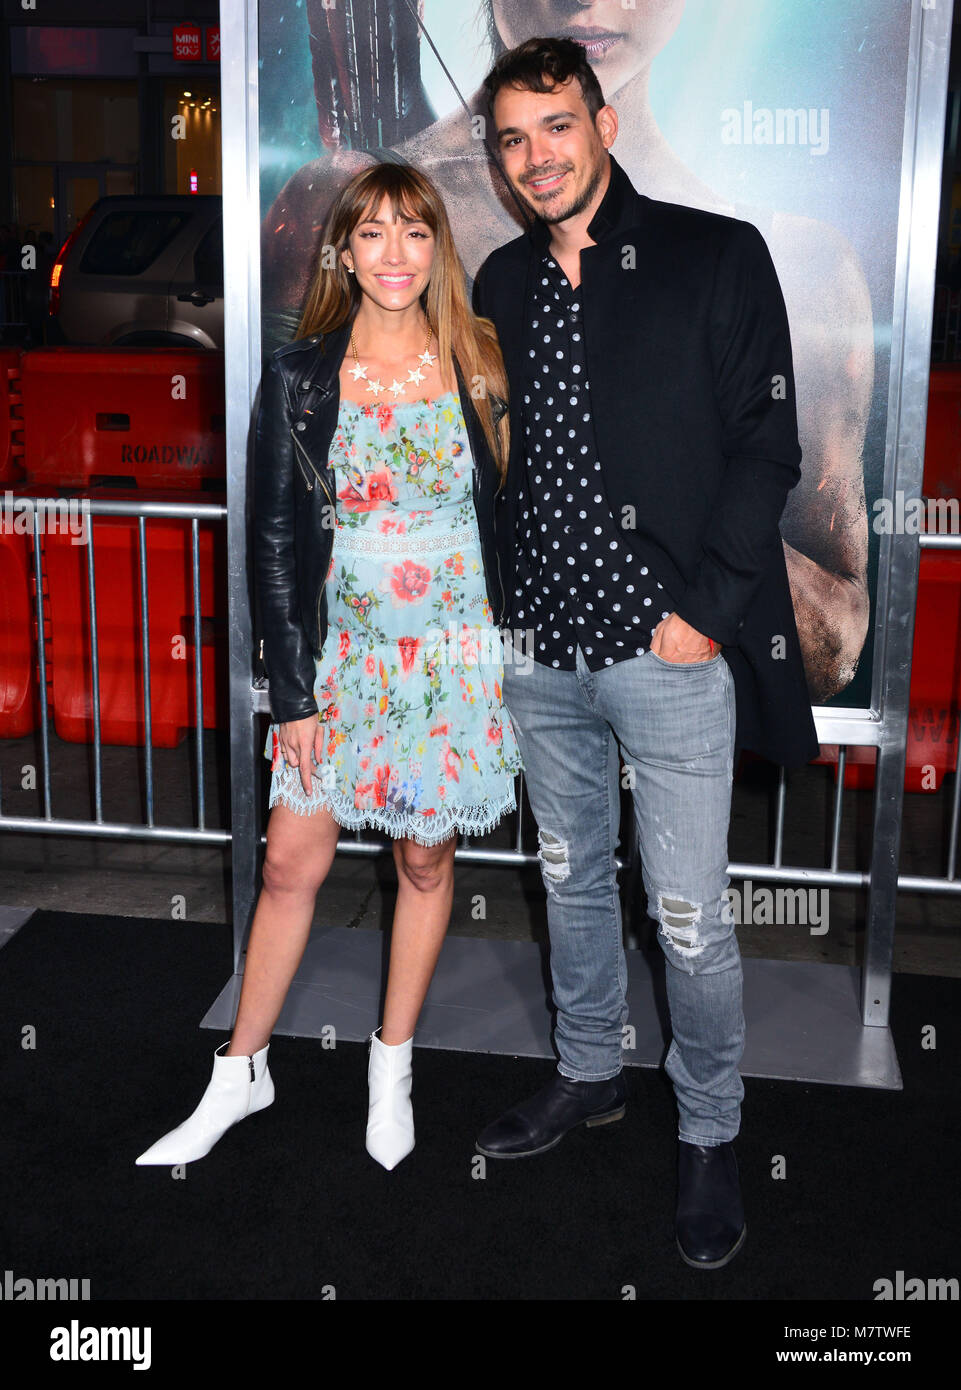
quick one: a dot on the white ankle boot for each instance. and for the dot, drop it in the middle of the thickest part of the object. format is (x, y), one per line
(239, 1086)
(390, 1116)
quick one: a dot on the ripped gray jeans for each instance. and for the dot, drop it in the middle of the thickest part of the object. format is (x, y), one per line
(675, 726)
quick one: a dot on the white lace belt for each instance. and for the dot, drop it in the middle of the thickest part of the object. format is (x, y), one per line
(362, 542)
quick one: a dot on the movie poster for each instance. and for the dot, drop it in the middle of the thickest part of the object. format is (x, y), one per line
(787, 115)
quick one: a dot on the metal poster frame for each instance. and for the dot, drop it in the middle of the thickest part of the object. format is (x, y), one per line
(883, 725)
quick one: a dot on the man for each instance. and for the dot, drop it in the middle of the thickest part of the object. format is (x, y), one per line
(654, 443)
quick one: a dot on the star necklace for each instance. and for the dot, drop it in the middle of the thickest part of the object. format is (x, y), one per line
(415, 376)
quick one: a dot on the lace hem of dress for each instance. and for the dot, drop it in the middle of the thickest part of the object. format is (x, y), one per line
(426, 830)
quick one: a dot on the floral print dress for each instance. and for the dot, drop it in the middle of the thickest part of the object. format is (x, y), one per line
(408, 686)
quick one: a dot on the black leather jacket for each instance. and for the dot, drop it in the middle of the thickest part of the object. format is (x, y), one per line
(295, 508)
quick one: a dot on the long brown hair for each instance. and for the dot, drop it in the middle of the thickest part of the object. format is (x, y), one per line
(334, 295)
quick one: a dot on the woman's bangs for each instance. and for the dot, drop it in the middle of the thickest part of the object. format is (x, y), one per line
(406, 204)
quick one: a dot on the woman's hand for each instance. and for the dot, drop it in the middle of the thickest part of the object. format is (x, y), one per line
(298, 740)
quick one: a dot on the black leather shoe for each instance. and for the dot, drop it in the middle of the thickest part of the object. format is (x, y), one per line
(536, 1125)
(709, 1224)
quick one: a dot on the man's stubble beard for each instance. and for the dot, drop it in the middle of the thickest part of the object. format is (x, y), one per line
(579, 203)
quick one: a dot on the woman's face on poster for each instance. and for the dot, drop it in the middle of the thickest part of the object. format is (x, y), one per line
(620, 40)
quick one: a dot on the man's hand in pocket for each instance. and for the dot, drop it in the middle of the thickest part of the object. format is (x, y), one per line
(675, 640)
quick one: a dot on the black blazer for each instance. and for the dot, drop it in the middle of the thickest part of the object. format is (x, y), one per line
(692, 393)
(295, 510)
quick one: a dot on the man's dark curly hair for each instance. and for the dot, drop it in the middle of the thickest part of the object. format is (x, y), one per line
(539, 65)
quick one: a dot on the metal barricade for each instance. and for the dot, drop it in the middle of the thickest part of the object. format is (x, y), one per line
(522, 851)
(49, 823)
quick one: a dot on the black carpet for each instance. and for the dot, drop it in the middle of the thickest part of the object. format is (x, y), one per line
(289, 1205)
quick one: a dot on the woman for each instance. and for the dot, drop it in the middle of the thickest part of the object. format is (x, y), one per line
(378, 597)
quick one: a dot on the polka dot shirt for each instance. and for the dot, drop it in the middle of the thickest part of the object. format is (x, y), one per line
(578, 582)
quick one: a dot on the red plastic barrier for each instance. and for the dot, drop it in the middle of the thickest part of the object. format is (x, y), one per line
(935, 680)
(124, 417)
(11, 417)
(942, 443)
(19, 705)
(170, 604)
(933, 714)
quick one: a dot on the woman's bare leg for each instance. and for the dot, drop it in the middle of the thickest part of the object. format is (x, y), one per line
(425, 893)
(300, 851)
